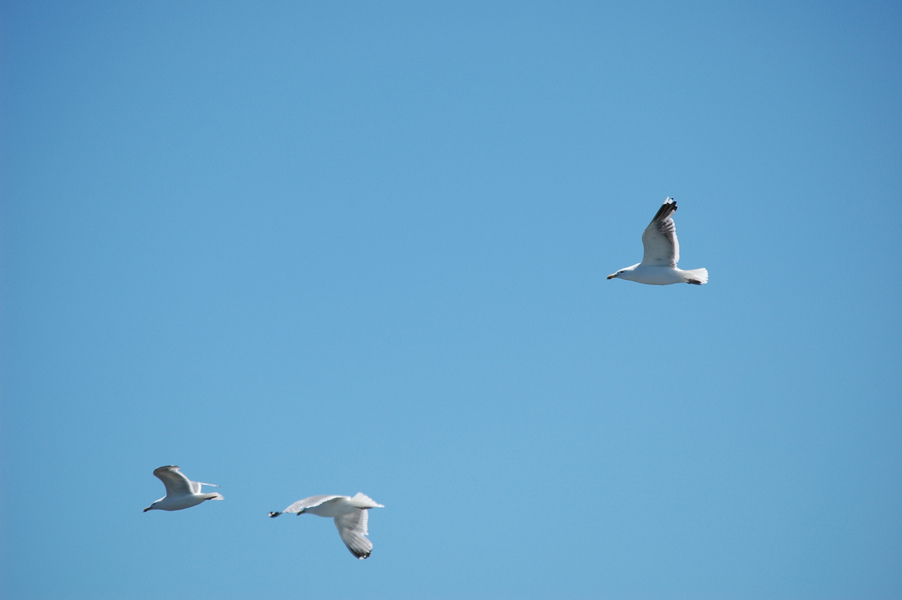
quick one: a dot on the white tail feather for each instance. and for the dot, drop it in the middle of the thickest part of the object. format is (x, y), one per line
(700, 275)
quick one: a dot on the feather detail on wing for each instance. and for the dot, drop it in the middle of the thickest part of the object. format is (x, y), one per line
(352, 529)
(660, 240)
(311, 502)
(176, 483)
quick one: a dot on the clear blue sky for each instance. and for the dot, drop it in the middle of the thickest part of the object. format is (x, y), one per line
(320, 248)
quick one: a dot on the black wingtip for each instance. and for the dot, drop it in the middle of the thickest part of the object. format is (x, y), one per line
(274, 514)
(667, 209)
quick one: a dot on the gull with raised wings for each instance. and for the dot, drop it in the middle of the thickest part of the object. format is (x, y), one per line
(181, 492)
(350, 516)
(662, 253)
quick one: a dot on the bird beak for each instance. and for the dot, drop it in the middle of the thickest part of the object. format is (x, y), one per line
(612, 276)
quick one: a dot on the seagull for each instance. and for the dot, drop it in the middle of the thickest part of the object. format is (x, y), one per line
(350, 516)
(662, 253)
(181, 492)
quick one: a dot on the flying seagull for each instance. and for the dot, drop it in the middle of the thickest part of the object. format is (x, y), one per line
(181, 492)
(662, 253)
(350, 516)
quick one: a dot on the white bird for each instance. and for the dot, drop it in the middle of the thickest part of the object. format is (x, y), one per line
(181, 492)
(662, 253)
(350, 516)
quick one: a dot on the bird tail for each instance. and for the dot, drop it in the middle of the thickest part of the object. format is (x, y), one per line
(697, 276)
(361, 500)
(214, 496)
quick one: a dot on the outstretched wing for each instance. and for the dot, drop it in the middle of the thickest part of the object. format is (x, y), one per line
(196, 486)
(660, 240)
(176, 483)
(305, 503)
(352, 529)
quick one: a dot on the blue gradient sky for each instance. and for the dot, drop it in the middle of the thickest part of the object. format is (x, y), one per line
(322, 248)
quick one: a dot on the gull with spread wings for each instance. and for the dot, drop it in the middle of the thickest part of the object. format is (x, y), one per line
(662, 253)
(350, 514)
(181, 492)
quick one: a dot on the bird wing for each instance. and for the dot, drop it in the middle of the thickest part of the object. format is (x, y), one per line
(176, 483)
(311, 502)
(196, 486)
(662, 249)
(352, 529)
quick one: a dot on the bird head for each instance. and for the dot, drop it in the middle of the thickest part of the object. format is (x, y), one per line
(624, 272)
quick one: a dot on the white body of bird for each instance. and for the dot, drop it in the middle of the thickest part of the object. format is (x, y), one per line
(350, 515)
(181, 492)
(662, 253)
